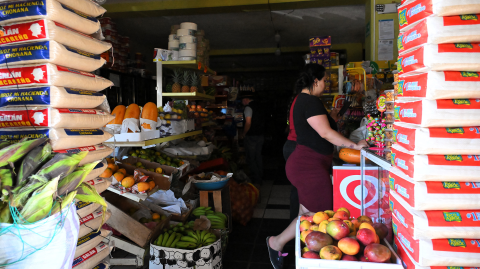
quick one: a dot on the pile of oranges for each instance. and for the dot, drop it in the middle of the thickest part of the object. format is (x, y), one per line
(127, 181)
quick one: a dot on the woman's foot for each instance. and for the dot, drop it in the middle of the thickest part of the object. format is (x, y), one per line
(276, 256)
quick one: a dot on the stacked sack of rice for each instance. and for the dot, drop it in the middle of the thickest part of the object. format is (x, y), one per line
(435, 180)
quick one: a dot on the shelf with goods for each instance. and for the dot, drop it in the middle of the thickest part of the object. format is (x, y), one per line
(153, 142)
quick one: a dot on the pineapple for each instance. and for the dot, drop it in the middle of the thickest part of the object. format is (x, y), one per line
(194, 82)
(176, 87)
(185, 81)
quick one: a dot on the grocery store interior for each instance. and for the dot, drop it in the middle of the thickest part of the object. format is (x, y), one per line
(247, 134)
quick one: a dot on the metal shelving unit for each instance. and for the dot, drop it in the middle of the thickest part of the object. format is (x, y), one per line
(189, 96)
(152, 142)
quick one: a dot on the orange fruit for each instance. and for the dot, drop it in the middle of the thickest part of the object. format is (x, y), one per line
(123, 171)
(221, 172)
(152, 184)
(155, 216)
(107, 173)
(143, 186)
(113, 166)
(128, 182)
(118, 176)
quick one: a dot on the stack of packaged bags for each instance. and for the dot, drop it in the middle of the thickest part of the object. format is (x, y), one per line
(435, 179)
(120, 46)
(203, 48)
(47, 50)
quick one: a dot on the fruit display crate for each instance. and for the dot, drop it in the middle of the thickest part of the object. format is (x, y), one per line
(302, 263)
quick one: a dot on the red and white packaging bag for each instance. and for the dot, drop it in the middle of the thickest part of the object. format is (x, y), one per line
(435, 85)
(92, 222)
(95, 152)
(438, 252)
(53, 75)
(441, 57)
(458, 168)
(440, 30)
(435, 195)
(438, 140)
(409, 263)
(92, 257)
(53, 117)
(411, 12)
(435, 224)
(439, 113)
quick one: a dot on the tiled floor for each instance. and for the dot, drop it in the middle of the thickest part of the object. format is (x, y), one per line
(247, 247)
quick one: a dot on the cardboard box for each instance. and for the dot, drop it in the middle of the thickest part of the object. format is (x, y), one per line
(438, 252)
(121, 221)
(168, 171)
(208, 257)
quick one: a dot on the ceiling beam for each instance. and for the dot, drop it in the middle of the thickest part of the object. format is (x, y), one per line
(194, 7)
(305, 49)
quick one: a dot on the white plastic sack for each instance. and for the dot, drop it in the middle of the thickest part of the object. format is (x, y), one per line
(92, 222)
(58, 253)
(50, 52)
(90, 240)
(53, 75)
(360, 133)
(168, 202)
(41, 30)
(48, 9)
(130, 124)
(86, 6)
(84, 209)
(148, 125)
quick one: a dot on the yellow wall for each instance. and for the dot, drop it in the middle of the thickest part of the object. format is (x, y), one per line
(354, 50)
(369, 14)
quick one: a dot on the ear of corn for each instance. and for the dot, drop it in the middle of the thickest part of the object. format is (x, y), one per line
(4, 144)
(61, 165)
(16, 151)
(20, 195)
(88, 194)
(63, 202)
(41, 202)
(71, 182)
(5, 216)
(7, 181)
(32, 161)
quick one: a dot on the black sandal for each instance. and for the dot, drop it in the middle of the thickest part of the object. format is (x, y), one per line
(276, 257)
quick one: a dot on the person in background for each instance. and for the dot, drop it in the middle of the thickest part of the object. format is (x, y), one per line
(253, 133)
(309, 166)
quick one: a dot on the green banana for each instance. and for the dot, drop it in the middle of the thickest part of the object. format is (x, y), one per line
(170, 240)
(177, 238)
(188, 239)
(208, 208)
(165, 239)
(202, 235)
(159, 240)
(192, 234)
(221, 215)
(185, 245)
(198, 234)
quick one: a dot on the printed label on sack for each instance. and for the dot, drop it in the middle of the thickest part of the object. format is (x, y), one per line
(82, 92)
(24, 118)
(461, 218)
(454, 160)
(457, 133)
(405, 137)
(404, 162)
(458, 104)
(25, 52)
(15, 135)
(13, 10)
(70, 29)
(100, 266)
(22, 32)
(81, 205)
(83, 15)
(23, 75)
(76, 132)
(459, 48)
(411, 61)
(89, 254)
(461, 76)
(457, 245)
(413, 86)
(83, 53)
(96, 181)
(87, 238)
(77, 150)
(81, 111)
(410, 112)
(414, 12)
(403, 188)
(25, 96)
(78, 72)
(415, 37)
(453, 187)
(407, 241)
(468, 19)
(403, 216)
(91, 216)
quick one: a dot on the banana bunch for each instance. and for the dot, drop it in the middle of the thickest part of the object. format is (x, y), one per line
(210, 91)
(183, 237)
(217, 219)
(201, 211)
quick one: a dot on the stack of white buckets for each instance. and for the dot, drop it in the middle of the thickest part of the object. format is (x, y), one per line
(184, 43)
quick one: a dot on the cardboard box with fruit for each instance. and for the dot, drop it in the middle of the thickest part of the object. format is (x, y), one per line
(154, 156)
(333, 237)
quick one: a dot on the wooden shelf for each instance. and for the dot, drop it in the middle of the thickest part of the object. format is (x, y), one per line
(153, 141)
(189, 96)
(192, 65)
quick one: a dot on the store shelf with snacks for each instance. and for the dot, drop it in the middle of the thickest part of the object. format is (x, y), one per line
(193, 65)
(153, 142)
(189, 96)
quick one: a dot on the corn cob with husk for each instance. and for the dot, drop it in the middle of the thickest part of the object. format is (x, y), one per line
(20, 195)
(63, 202)
(5, 216)
(72, 181)
(32, 161)
(61, 165)
(14, 152)
(4, 144)
(41, 202)
(88, 194)
(6, 182)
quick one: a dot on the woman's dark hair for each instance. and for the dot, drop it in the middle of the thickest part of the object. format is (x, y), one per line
(305, 80)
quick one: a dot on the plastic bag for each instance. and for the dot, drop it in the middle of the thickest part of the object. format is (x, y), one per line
(360, 133)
